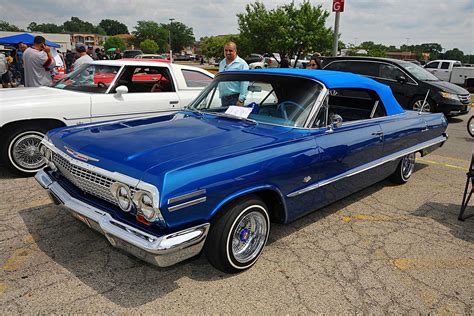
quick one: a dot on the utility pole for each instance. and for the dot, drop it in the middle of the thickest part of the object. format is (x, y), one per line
(338, 7)
(171, 50)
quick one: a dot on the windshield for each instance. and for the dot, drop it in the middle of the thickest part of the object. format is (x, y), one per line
(418, 72)
(89, 78)
(271, 99)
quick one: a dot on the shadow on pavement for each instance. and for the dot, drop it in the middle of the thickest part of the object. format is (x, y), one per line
(453, 120)
(447, 215)
(6, 174)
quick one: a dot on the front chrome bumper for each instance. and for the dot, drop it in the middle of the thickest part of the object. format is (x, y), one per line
(162, 251)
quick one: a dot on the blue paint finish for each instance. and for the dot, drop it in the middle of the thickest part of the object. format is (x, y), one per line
(229, 158)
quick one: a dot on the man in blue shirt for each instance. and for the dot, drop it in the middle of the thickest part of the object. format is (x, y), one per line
(232, 92)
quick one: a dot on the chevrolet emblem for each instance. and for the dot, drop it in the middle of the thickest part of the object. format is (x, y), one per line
(78, 155)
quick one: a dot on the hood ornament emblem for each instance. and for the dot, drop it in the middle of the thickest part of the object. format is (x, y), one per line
(78, 155)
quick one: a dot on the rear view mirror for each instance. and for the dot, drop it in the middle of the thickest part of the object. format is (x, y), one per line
(255, 89)
(121, 90)
(401, 79)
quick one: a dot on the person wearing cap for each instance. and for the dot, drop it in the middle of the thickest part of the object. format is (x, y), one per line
(38, 62)
(83, 57)
(102, 55)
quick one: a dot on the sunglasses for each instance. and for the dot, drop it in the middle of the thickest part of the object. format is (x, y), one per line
(312, 65)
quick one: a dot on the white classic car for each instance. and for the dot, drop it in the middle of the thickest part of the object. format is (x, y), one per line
(99, 91)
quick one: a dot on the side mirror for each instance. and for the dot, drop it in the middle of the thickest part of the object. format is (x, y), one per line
(336, 121)
(401, 79)
(121, 90)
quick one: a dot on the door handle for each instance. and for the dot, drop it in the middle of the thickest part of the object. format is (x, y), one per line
(174, 102)
(379, 133)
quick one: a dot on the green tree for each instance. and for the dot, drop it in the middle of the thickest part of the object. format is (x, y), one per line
(77, 25)
(150, 30)
(181, 35)
(114, 42)
(213, 46)
(149, 46)
(45, 27)
(5, 26)
(454, 54)
(289, 30)
(113, 27)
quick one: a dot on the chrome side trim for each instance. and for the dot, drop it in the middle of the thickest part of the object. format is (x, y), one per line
(186, 196)
(162, 251)
(170, 111)
(186, 204)
(370, 165)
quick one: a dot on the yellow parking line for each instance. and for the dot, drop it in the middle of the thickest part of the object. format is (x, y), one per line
(442, 164)
(3, 287)
(363, 217)
(404, 264)
(18, 258)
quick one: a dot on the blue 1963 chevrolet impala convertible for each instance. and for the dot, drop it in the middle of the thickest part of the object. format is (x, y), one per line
(213, 177)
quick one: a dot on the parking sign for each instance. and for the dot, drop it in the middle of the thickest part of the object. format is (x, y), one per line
(338, 6)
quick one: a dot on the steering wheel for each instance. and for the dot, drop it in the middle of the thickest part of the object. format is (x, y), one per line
(282, 108)
(100, 84)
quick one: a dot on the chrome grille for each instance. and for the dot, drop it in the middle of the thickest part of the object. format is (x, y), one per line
(86, 180)
(465, 98)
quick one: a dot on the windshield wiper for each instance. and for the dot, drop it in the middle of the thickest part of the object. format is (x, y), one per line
(240, 118)
(191, 109)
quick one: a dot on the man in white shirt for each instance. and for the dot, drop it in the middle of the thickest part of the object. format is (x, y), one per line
(38, 62)
(83, 57)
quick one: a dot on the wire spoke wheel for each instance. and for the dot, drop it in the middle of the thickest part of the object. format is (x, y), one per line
(408, 164)
(24, 151)
(249, 237)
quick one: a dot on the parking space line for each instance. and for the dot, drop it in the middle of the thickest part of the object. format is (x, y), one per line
(18, 258)
(442, 164)
(364, 217)
(3, 287)
(404, 264)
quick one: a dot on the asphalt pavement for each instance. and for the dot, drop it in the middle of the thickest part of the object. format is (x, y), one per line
(386, 249)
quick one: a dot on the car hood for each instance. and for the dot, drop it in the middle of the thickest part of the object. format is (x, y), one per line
(29, 96)
(134, 146)
(448, 87)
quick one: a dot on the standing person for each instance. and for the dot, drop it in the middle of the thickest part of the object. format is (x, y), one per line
(232, 92)
(38, 62)
(83, 57)
(19, 61)
(314, 63)
(90, 52)
(118, 54)
(96, 54)
(102, 55)
(69, 60)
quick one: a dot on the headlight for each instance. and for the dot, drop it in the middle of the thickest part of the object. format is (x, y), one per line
(450, 96)
(122, 194)
(144, 202)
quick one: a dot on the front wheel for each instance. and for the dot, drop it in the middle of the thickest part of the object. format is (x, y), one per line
(470, 126)
(404, 169)
(428, 105)
(238, 235)
(20, 149)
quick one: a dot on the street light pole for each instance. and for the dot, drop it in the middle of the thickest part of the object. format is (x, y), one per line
(171, 51)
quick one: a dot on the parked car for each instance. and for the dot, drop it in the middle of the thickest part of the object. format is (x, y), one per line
(410, 83)
(214, 177)
(252, 58)
(302, 62)
(131, 53)
(102, 90)
(150, 56)
(452, 71)
(416, 62)
(269, 61)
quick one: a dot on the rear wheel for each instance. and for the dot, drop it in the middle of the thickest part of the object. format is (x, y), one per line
(404, 169)
(238, 235)
(20, 148)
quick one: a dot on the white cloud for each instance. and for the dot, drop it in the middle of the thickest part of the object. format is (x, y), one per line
(449, 23)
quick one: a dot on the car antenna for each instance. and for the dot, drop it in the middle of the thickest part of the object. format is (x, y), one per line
(424, 102)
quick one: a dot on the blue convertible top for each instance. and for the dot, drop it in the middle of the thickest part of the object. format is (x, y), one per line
(337, 79)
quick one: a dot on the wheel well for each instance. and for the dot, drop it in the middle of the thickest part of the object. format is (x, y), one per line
(50, 123)
(271, 198)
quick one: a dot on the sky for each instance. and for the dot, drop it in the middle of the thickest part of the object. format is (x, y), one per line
(390, 22)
